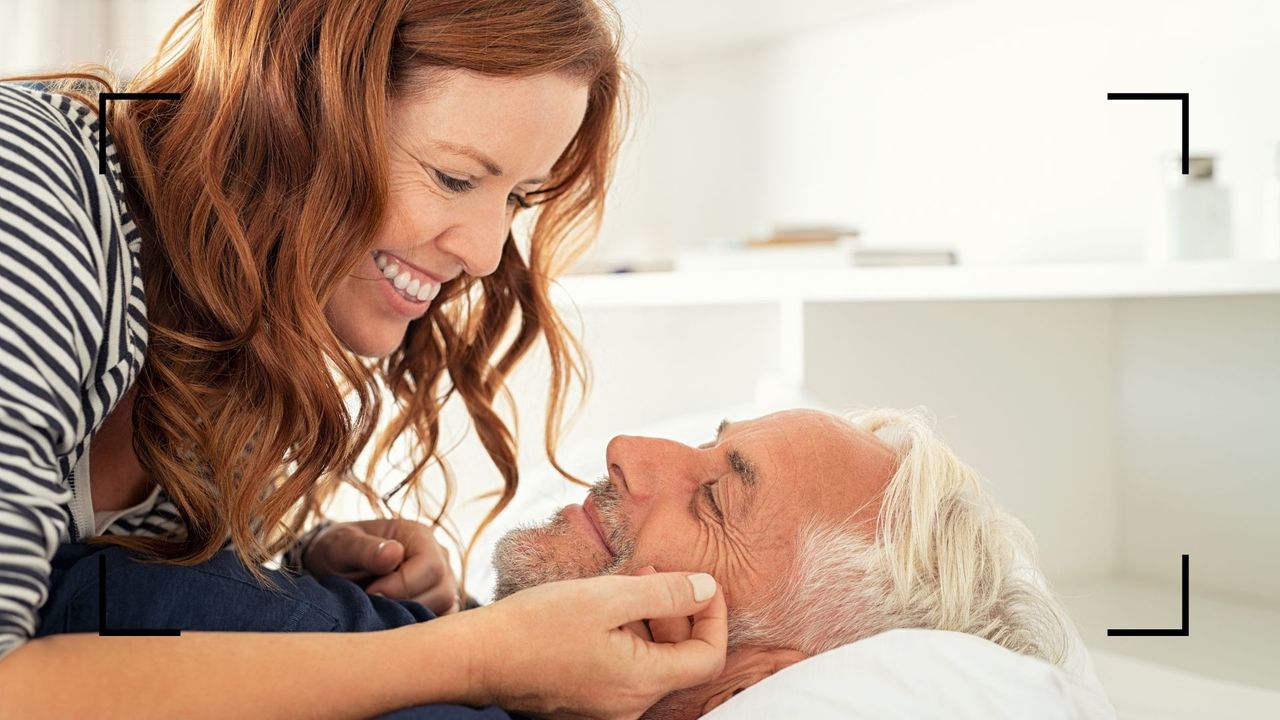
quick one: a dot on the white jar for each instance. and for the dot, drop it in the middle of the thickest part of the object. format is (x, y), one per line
(1270, 246)
(1197, 212)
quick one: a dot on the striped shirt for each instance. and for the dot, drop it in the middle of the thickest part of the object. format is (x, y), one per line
(73, 337)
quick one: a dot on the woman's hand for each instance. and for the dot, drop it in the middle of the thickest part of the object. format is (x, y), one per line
(397, 558)
(565, 649)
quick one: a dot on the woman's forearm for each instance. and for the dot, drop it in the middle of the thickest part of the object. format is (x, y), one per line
(260, 675)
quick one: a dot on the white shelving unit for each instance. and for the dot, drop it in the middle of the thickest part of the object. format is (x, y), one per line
(792, 289)
(1031, 282)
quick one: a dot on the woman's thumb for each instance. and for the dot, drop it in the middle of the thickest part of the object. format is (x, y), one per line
(666, 595)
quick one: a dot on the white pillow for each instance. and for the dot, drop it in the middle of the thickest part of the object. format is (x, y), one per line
(921, 674)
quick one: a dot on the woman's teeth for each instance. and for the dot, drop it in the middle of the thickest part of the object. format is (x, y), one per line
(412, 286)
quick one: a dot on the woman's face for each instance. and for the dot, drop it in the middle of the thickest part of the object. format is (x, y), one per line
(462, 160)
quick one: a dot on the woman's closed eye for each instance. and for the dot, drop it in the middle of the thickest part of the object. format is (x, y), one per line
(459, 185)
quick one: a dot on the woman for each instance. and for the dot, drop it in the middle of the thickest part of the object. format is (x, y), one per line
(332, 189)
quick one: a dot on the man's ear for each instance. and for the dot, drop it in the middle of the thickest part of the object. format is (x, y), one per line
(745, 667)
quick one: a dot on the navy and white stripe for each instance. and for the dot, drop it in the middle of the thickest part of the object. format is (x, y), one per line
(73, 332)
(73, 337)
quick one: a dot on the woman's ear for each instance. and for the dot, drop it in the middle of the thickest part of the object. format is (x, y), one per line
(745, 667)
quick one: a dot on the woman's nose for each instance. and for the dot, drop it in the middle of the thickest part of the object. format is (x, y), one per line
(477, 246)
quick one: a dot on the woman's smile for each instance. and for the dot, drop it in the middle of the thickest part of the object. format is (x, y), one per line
(406, 289)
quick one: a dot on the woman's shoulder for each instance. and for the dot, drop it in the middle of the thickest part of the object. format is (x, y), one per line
(45, 122)
(61, 192)
(61, 214)
(48, 152)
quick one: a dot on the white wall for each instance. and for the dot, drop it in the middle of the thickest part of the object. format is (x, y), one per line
(1198, 416)
(58, 34)
(1021, 391)
(978, 123)
(982, 123)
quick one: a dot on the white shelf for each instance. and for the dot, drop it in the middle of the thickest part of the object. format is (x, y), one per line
(1014, 282)
(1229, 639)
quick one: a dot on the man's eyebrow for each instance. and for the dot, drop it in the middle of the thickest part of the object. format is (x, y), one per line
(489, 165)
(744, 468)
(720, 428)
(740, 465)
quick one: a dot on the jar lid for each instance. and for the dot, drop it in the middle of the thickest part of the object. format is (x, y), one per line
(1199, 167)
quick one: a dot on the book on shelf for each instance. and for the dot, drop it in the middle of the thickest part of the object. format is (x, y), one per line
(888, 257)
(805, 235)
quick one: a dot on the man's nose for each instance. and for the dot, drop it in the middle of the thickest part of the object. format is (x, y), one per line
(645, 467)
(477, 244)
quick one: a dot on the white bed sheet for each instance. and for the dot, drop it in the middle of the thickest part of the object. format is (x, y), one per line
(921, 674)
(925, 674)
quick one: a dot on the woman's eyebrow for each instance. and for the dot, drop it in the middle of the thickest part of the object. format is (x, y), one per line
(490, 166)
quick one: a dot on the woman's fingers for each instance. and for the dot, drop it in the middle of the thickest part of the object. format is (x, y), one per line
(418, 574)
(352, 552)
(641, 627)
(702, 656)
(441, 600)
(661, 595)
(398, 558)
(589, 630)
(668, 630)
(425, 574)
(676, 596)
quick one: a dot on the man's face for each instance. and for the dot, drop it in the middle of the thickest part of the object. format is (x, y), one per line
(730, 507)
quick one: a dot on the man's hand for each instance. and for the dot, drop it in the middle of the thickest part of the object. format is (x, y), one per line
(396, 558)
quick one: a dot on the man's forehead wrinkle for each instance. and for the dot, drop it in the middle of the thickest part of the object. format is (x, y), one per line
(807, 445)
(821, 446)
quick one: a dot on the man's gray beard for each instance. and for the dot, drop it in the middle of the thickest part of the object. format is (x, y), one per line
(526, 556)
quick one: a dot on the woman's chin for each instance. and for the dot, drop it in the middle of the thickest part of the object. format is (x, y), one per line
(371, 333)
(370, 340)
(374, 348)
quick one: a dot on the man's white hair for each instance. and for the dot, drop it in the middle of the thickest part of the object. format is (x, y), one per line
(943, 556)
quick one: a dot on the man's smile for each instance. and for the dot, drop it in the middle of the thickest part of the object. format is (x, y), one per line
(593, 514)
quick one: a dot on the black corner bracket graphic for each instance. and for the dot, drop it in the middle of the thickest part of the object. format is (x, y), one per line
(103, 630)
(106, 97)
(1186, 102)
(1183, 631)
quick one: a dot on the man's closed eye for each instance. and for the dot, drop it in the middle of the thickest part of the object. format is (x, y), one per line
(709, 494)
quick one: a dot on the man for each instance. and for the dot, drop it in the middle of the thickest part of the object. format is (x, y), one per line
(822, 531)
